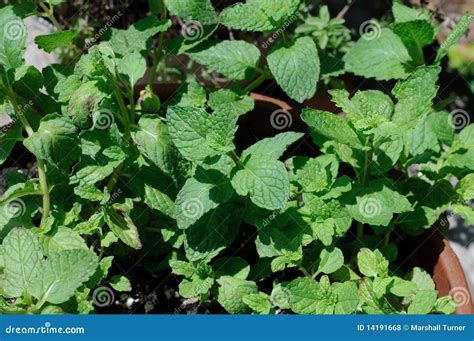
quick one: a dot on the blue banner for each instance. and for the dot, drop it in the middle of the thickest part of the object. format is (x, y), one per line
(243, 327)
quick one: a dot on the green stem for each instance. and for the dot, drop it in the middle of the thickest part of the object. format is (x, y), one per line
(158, 53)
(365, 178)
(255, 83)
(127, 132)
(41, 166)
(49, 12)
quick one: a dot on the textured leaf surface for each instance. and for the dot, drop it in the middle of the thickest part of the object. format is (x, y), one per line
(412, 102)
(62, 274)
(135, 38)
(331, 126)
(22, 257)
(123, 227)
(273, 147)
(232, 291)
(56, 140)
(200, 194)
(235, 59)
(296, 68)
(199, 10)
(383, 58)
(12, 38)
(259, 15)
(265, 180)
(198, 134)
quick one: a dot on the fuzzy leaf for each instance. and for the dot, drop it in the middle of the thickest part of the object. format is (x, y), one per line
(232, 291)
(198, 10)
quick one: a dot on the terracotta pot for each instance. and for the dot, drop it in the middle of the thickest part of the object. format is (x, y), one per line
(435, 254)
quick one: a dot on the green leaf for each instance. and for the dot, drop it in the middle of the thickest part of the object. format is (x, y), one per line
(331, 126)
(422, 138)
(211, 234)
(132, 66)
(403, 288)
(8, 140)
(259, 303)
(155, 190)
(153, 140)
(403, 13)
(296, 68)
(123, 227)
(231, 266)
(199, 10)
(347, 297)
(84, 101)
(415, 95)
(181, 268)
(465, 187)
(198, 134)
(231, 293)
(54, 40)
(273, 147)
(63, 239)
(310, 297)
(265, 180)
(445, 305)
(366, 109)
(120, 283)
(372, 263)
(135, 38)
(383, 58)
(259, 15)
(466, 212)
(62, 274)
(225, 98)
(20, 190)
(55, 141)
(316, 175)
(330, 260)
(459, 30)
(415, 35)
(235, 59)
(376, 204)
(423, 303)
(22, 258)
(12, 38)
(200, 194)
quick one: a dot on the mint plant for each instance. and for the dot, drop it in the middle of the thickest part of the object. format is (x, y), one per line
(126, 176)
